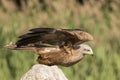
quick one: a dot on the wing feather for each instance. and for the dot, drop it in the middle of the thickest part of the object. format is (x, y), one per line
(53, 36)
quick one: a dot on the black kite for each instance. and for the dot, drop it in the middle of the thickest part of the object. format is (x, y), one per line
(55, 46)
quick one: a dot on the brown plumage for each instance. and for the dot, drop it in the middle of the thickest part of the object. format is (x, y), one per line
(55, 46)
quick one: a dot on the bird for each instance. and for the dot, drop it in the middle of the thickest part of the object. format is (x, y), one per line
(55, 46)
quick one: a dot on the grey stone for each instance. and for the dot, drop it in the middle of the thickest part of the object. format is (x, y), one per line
(44, 72)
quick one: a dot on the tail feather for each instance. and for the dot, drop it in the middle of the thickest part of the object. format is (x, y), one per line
(13, 46)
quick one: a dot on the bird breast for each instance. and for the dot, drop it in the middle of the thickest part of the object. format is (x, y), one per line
(71, 59)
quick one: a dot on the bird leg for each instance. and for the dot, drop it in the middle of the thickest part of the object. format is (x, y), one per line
(45, 61)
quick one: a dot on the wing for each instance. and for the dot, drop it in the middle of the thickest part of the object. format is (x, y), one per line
(79, 36)
(39, 36)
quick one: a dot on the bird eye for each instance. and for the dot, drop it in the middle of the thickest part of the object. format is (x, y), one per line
(86, 49)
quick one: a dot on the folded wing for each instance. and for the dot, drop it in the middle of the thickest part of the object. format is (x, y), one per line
(39, 37)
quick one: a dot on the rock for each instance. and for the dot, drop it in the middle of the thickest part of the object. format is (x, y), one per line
(44, 72)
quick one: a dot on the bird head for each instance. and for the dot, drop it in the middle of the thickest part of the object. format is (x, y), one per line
(85, 49)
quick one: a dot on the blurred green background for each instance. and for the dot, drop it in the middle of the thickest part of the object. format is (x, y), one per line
(101, 18)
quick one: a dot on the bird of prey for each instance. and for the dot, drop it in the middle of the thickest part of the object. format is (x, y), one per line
(63, 47)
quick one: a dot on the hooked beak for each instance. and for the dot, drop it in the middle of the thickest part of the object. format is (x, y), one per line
(92, 55)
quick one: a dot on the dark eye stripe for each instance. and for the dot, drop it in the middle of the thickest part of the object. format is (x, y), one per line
(86, 49)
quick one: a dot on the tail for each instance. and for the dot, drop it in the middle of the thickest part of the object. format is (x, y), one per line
(13, 46)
